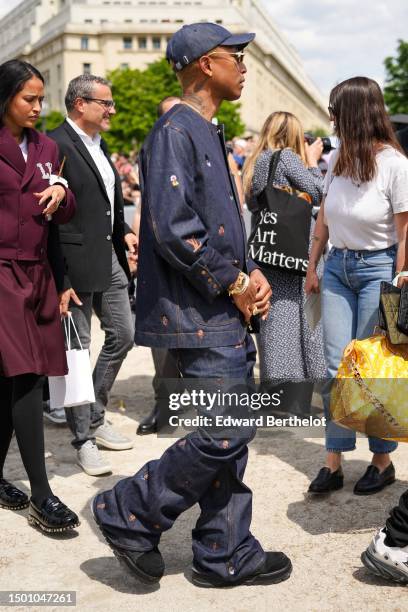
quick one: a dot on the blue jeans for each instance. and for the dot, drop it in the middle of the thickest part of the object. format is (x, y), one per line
(350, 299)
(200, 468)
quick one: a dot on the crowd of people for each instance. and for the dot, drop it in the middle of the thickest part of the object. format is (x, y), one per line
(65, 246)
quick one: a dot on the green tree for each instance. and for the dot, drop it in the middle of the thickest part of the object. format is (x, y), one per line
(137, 94)
(396, 88)
(50, 121)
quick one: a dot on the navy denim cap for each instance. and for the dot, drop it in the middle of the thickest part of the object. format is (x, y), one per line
(194, 40)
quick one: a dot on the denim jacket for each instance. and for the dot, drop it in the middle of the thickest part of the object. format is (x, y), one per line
(192, 237)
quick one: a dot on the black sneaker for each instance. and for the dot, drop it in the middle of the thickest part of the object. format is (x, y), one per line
(276, 568)
(327, 481)
(53, 516)
(148, 566)
(11, 497)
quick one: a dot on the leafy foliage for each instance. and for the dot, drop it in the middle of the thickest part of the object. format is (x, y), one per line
(317, 131)
(50, 121)
(396, 88)
(137, 94)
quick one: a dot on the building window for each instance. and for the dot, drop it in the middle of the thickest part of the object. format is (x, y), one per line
(59, 72)
(156, 42)
(124, 66)
(128, 20)
(127, 42)
(88, 20)
(86, 68)
(84, 43)
(142, 43)
(218, 21)
(46, 75)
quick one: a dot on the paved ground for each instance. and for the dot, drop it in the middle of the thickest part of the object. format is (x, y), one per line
(323, 538)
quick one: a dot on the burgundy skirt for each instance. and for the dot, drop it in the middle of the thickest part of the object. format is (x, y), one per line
(31, 336)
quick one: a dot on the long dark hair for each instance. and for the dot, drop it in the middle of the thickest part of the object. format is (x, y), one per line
(13, 74)
(362, 125)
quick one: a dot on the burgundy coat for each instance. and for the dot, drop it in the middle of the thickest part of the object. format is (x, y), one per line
(23, 227)
(31, 338)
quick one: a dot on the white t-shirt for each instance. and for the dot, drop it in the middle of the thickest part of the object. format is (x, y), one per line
(361, 216)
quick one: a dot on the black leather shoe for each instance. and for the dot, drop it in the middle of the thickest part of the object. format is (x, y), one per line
(327, 481)
(11, 497)
(149, 424)
(148, 566)
(53, 516)
(276, 568)
(374, 480)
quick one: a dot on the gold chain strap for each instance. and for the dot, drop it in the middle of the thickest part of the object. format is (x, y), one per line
(373, 399)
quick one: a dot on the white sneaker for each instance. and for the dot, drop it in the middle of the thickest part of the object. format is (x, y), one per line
(55, 415)
(91, 461)
(389, 562)
(108, 437)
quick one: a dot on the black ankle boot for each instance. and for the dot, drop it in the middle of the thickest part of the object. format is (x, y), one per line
(11, 497)
(149, 424)
(53, 516)
(327, 481)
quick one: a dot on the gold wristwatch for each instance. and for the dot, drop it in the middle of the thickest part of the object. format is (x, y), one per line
(240, 285)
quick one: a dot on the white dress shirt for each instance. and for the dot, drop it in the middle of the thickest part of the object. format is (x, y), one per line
(94, 148)
(24, 147)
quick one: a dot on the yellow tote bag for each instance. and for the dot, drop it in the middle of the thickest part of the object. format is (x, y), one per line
(370, 393)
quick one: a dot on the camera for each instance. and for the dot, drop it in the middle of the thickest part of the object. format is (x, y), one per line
(327, 142)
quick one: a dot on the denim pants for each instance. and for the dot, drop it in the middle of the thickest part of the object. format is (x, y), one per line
(199, 468)
(350, 300)
(166, 379)
(113, 311)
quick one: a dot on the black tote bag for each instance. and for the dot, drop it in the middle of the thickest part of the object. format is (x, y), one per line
(280, 238)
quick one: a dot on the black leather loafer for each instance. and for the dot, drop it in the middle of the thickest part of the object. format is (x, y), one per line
(327, 481)
(276, 568)
(11, 497)
(53, 516)
(374, 481)
(149, 425)
(148, 566)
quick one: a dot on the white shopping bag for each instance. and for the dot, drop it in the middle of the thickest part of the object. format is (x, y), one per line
(76, 388)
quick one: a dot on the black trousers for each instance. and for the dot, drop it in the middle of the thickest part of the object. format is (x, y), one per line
(21, 412)
(397, 523)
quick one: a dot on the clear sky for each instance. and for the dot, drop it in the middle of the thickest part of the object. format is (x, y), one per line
(336, 39)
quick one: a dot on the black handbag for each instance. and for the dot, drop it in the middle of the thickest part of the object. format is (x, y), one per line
(280, 238)
(402, 321)
(393, 313)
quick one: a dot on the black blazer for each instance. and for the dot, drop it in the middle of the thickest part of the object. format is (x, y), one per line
(88, 238)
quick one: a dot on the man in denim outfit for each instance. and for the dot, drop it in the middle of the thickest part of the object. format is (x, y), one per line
(196, 292)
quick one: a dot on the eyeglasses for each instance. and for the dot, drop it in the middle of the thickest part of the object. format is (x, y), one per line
(105, 103)
(239, 55)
